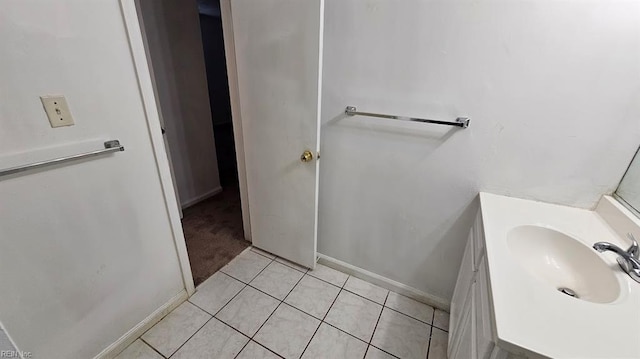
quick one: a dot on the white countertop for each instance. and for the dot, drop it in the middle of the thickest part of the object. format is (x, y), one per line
(532, 317)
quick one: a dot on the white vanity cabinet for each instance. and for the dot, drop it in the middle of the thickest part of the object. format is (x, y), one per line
(471, 331)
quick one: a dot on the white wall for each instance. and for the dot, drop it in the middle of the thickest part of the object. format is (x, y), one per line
(86, 248)
(552, 90)
(173, 37)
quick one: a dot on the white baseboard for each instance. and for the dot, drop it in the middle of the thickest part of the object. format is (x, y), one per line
(201, 197)
(129, 337)
(384, 282)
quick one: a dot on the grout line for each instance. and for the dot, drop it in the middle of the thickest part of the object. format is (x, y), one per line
(186, 341)
(225, 304)
(276, 354)
(446, 331)
(263, 292)
(263, 323)
(433, 317)
(150, 346)
(248, 341)
(345, 332)
(326, 281)
(249, 285)
(246, 336)
(361, 296)
(239, 280)
(252, 278)
(322, 320)
(311, 339)
(331, 306)
(379, 316)
(270, 315)
(410, 316)
(244, 346)
(256, 252)
(384, 351)
(290, 264)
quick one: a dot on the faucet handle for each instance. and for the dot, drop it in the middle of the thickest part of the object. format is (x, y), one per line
(634, 251)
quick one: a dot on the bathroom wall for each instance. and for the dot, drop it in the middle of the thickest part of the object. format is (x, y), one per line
(86, 248)
(172, 29)
(552, 90)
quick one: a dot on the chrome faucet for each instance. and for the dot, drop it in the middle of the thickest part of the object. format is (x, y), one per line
(628, 260)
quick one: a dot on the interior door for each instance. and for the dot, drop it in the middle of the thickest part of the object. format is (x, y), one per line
(278, 47)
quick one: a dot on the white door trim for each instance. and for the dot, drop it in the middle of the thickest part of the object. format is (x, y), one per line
(139, 56)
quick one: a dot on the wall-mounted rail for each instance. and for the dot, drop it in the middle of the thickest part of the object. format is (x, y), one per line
(462, 122)
(109, 147)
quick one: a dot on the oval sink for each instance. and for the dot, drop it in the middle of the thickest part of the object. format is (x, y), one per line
(566, 264)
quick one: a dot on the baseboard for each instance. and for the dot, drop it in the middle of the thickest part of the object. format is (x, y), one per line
(129, 337)
(384, 282)
(201, 197)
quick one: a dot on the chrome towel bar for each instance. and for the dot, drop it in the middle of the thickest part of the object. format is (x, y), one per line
(109, 147)
(462, 122)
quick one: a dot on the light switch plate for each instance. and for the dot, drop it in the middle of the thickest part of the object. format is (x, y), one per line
(57, 110)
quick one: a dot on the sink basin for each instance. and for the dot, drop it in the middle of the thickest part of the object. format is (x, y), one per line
(564, 263)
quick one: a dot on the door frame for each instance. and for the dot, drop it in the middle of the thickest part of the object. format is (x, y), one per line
(147, 93)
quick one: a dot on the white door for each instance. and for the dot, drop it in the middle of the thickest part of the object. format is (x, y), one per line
(278, 47)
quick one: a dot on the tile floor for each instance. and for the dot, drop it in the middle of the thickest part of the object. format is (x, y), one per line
(262, 306)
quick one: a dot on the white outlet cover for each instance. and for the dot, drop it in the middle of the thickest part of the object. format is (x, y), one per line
(57, 110)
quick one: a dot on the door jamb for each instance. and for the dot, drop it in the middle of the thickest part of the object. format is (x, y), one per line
(145, 82)
(139, 57)
(234, 96)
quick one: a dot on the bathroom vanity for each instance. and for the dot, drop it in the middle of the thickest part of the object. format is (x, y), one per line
(531, 285)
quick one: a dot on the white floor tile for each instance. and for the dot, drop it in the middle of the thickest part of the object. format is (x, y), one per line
(375, 353)
(329, 342)
(366, 289)
(329, 275)
(313, 296)
(264, 253)
(215, 292)
(409, 307)
(214, 340)
(441, 320)
(291, 264)
(355, 315)
(246, 266)
(401, 335)
(277, 280)
(174, 329)
(287, 332)
(248, 310)
(254, 350)
(139, 350)
(438, 346)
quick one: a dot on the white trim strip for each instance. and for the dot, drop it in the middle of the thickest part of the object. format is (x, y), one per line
(384, 282)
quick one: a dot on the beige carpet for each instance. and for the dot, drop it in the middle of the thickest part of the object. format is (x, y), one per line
(213, 231)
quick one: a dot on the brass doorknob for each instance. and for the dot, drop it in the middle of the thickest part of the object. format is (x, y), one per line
(306, 156)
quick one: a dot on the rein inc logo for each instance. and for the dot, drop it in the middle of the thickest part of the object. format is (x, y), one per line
(15, 354)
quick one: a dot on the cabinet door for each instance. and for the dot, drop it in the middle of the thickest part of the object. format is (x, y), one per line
(464, 346)
(484, 336)
(460, 294)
